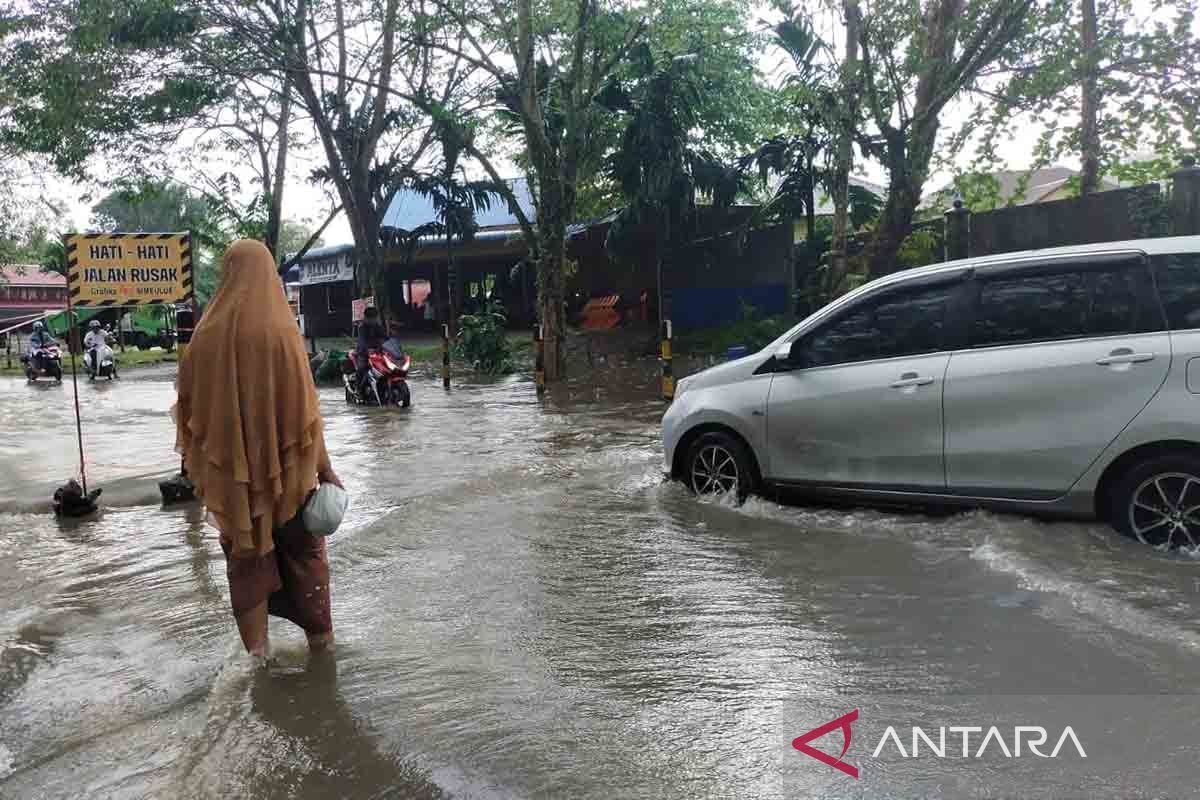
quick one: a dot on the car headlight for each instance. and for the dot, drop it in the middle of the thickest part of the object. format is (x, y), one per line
(682, 386)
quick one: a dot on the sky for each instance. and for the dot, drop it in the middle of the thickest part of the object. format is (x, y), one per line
(304, 201)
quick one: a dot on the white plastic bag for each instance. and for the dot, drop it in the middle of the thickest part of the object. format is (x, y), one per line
(325, 509)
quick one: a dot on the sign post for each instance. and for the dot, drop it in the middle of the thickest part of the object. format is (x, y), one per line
(123, 269)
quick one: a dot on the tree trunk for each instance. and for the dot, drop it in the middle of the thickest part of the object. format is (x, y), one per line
(370, 251)
(909, 148)
(275, 210)
(810, 200)
(552, 231)
(908, 168)
(1089, 130)
(843, 152)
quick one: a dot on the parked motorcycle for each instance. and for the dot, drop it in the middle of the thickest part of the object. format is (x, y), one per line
(386, 383)
(44, 362)
(101, 362)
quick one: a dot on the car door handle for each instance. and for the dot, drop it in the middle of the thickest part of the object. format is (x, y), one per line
(911, 379)
(1124, 356)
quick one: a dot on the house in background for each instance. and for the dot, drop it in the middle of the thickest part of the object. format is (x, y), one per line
(489, 266)
(325, 277)
(26, 293)
(1012, 188)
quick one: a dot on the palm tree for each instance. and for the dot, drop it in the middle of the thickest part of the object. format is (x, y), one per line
(456, 202)
(656, 166)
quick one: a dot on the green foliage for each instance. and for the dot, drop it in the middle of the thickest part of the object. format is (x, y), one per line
(156, 206)
(328, 370)
(85, 76)
(1137, 172)
(53, 256)
(920, 248)
(293, 235)
(865, 206)
(749, 331)
(1147, 65)
(482, 341)
(735, 108)
(657, 169)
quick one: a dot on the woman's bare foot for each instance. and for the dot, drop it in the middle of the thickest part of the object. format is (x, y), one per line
(253, 628)
(320, 642)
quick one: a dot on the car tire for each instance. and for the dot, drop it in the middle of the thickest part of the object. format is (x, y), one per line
(1157, 501)
(720, 464)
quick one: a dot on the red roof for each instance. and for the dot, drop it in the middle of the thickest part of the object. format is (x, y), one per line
(11, 275)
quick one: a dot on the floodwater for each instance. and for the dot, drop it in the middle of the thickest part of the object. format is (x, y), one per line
(525, 609)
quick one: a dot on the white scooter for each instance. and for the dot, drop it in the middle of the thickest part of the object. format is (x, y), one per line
(101, 362)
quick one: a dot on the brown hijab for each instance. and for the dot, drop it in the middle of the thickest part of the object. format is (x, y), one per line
(248, 422)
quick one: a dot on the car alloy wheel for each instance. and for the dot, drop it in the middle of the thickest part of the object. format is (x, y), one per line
(1165, 510)
(714, 470)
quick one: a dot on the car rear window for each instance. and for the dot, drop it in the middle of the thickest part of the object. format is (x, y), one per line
(1046, 307)
(1178, 279)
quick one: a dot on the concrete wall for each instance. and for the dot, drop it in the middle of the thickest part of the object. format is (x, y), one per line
(1100, 217)
(707, 282)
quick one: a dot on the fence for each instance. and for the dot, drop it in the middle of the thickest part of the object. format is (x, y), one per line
(1132, 213)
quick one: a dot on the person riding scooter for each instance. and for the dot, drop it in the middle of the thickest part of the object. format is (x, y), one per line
(95, 338)
(37, 340)
(370, 337)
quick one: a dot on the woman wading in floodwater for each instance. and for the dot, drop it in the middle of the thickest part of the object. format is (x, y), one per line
(249, 429)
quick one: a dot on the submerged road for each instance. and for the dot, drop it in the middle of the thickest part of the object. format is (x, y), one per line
(525, 609)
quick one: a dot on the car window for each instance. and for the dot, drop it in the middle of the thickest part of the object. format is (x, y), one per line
(1178, 279)
(897, 324)
(1064, 305)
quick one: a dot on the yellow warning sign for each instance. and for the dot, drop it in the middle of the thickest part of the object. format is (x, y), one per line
(124, 269)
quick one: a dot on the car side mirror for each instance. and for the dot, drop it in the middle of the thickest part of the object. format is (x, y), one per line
(791, 355)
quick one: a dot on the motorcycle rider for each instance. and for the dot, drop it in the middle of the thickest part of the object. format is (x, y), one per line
(95, 337)
(40, 338)
(370, 337)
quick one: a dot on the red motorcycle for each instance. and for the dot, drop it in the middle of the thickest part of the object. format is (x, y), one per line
(386, 382)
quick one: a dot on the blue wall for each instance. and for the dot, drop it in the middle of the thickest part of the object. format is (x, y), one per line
(708, 307)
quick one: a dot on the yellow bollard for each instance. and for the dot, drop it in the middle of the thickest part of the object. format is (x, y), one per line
(668, 377)
(445, 356)
(539, 364)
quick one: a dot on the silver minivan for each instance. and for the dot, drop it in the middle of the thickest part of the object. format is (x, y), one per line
(1062, 382)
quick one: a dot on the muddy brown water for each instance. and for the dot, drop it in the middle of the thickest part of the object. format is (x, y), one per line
(525, 609)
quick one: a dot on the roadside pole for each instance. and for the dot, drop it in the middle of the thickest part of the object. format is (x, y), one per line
(72, 337)
(445, 356)
(539, 363)
(668, 377)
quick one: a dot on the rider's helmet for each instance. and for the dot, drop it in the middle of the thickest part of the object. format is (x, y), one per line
(39, 325)
(94, 324)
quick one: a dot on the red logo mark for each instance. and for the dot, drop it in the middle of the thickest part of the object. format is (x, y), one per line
(843, 722)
